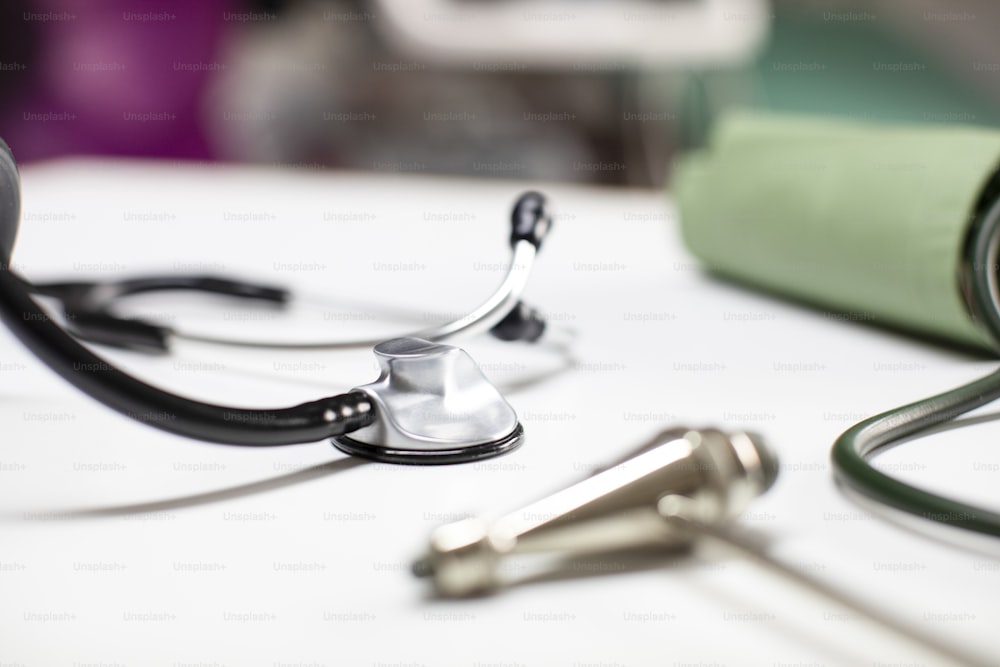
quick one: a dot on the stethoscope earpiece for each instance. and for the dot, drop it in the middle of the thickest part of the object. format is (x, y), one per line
(90, 307)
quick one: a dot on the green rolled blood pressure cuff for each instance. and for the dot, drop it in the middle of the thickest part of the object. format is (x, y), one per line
(894, 224)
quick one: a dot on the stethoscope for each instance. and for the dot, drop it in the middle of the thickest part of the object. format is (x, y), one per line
(431, 403)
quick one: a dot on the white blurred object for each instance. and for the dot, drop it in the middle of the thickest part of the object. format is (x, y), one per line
(577, 33)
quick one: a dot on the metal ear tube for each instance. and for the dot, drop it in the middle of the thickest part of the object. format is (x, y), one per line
(705, 476)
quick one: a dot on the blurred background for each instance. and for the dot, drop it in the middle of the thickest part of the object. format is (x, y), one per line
(570, 90)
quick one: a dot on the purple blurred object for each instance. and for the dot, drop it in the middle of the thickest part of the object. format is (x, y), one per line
(116, 77)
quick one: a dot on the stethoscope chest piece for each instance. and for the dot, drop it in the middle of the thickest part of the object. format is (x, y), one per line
(433, 406)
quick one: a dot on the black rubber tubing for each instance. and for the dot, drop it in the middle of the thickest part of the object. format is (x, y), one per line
(308, 422)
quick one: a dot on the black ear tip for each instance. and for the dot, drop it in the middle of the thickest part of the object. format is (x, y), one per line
(10, 202)
(530, 219)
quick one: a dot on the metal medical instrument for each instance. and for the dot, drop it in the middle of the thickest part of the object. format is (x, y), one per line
(650, 498)
(684, 487)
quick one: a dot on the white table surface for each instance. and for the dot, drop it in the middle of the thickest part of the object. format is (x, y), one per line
(122, 545)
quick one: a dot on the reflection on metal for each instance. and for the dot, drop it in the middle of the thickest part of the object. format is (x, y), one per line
(704, 476)
(434, 405)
